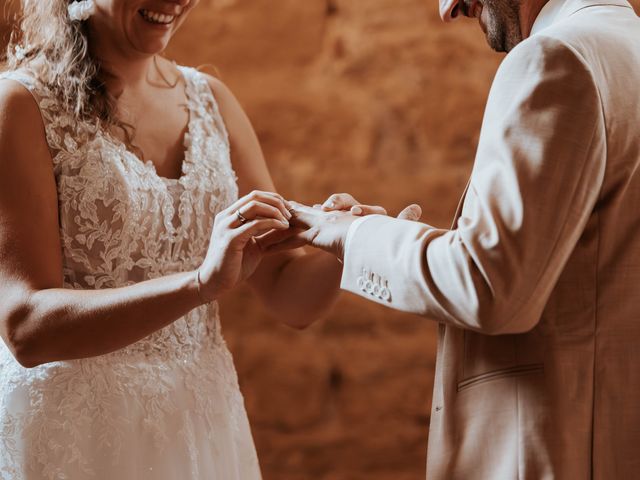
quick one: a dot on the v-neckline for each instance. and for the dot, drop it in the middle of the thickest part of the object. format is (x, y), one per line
(186, 144)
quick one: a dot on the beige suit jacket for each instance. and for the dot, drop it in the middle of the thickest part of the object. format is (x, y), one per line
(537, 284)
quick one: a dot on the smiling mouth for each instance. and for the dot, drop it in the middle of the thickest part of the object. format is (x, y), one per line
(157, 18)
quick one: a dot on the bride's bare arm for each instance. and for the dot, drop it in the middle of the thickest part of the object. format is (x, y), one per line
(39, 320)
(297, 286)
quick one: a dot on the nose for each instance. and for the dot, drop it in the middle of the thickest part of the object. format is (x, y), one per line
(449, 10)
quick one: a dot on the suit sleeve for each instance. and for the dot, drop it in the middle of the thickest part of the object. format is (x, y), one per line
(535, 182)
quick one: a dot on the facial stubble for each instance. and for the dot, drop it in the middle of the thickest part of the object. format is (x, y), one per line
(503, 27)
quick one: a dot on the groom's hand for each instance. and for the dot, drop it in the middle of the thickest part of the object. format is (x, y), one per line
(345, 202)
(326, 226)
(322, 229)
(314, 227)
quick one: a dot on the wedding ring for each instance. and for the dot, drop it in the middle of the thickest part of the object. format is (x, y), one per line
(292, 211)
(241, 217)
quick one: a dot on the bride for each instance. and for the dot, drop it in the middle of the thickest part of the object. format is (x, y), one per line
(114, 164)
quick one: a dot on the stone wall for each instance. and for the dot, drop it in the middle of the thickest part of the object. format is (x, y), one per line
(372, 97)
(380, 99)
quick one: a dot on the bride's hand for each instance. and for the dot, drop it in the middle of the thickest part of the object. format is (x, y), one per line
(345, 202)
(234, 253)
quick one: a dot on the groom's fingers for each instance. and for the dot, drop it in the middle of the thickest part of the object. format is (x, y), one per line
(412, 213)
(346, 202)
(339, 201)
(362, 210)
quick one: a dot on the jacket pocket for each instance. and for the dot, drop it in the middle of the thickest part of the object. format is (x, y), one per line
(517, 371)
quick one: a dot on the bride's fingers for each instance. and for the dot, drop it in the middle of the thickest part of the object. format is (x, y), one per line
(299, 239)
(270, 198)
(255, 228)
(412, 212)
(362, 210)
(278, 241)
(339, 201)
(255, 209)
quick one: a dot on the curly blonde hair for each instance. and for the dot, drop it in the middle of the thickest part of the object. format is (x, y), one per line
(56, 50)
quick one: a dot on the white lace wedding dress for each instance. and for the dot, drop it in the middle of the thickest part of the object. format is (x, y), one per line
(167, 407)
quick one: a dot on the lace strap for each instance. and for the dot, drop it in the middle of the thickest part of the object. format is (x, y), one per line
(63, 132)
(21, 77)
(56, 121)
(31, 84)
(27, 81)
(201, 94)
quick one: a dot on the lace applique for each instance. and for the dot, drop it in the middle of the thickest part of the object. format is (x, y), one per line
(121, 223)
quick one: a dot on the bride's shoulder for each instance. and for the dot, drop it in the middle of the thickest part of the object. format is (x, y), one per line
(24, 152)
(235, 119)
(220, 90)
(248, 158)
(229, 106)
(17, 100)
(21, 77)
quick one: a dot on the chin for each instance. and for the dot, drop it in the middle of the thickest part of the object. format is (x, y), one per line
(149, 39)
(152, 49)
(497, 44)
(149, 44)
(502, 39)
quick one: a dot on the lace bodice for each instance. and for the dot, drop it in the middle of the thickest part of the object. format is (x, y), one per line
(121, 223)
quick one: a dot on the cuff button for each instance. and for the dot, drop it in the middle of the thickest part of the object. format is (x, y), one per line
(368, 286)
(385, 294)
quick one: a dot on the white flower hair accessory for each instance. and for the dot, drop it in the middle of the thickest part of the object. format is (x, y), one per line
(82, 10)
(22, 51)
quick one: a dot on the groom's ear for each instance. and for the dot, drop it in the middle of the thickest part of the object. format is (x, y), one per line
(412, 213)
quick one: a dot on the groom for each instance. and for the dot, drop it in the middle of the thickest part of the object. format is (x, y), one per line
(537, 284)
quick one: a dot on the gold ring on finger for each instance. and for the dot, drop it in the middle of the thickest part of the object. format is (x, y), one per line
(241, 217)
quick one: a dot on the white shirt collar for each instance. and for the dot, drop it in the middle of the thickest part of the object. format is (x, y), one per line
(547, 15)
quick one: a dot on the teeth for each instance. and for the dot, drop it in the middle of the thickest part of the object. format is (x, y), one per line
(157, 17)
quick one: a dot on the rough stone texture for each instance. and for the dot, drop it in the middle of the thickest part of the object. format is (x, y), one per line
(376, 98)
(373, 97)
(380, 99)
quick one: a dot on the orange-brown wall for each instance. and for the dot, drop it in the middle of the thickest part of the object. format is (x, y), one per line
(375, 98)
(379, 99)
